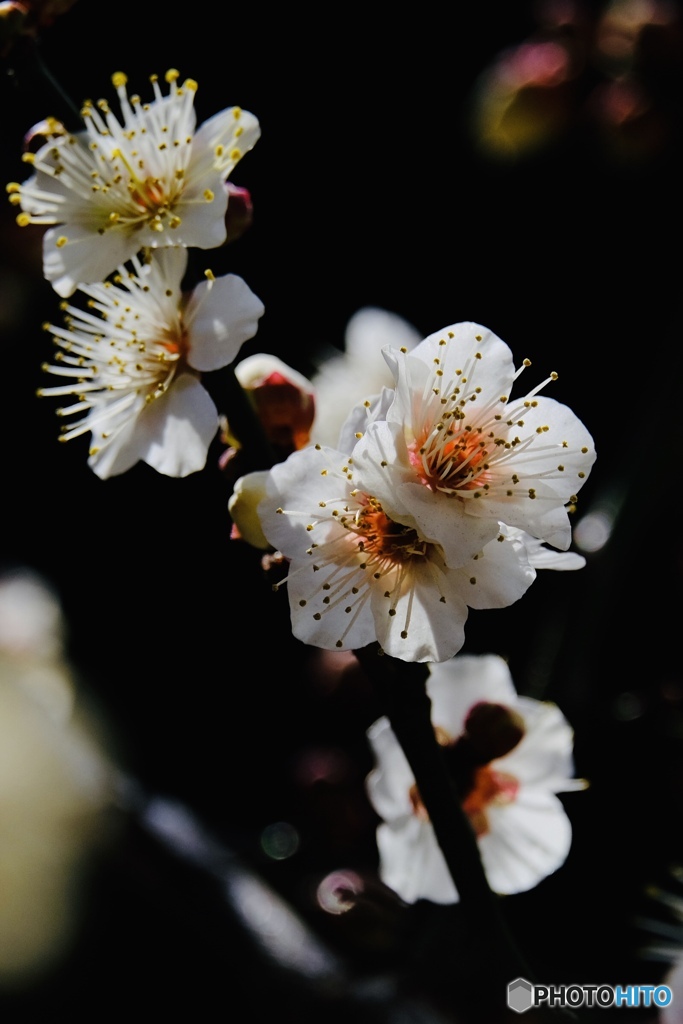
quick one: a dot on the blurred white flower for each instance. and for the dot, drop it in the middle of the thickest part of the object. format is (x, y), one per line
(146, 180)
(55, 782)
(359, 372)
(357, 576)
(135, 368)
(509, 756)
(463, 456)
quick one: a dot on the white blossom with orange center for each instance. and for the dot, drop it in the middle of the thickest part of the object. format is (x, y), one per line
(523, 831)
(133, 363)
(147, 179)
(357, 576)
(464, 455)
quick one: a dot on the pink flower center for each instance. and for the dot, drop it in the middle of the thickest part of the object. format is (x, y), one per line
(451, 460)
(491, 788)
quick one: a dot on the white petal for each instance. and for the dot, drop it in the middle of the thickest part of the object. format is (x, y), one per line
(202, 219)
(528, 840)
(219, 130)
(86, 256)
(373, 407)
(545, 755)
(494, 371)
(220, 316)
(425, 627)
(389, 783)
(173, 433)
(116, 456)
(502, 573)
(412, 864)
(455, 686)
(295, 484)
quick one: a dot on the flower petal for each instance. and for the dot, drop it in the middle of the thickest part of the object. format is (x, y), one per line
(173, 433)
(412, 864)
(83, 256)
(220, 316)
(455, 686)
(527, 840)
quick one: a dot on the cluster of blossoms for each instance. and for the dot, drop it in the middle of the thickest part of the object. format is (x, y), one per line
(441, 497)
(125, 198)
(440, 492)
(443, 493)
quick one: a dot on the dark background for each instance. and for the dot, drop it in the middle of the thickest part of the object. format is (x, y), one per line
(369, 188)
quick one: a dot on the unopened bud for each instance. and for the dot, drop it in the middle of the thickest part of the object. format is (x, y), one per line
(249, 491)
(282, 398)
(40, 133)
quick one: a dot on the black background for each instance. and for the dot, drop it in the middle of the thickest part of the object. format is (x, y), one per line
(368, 189)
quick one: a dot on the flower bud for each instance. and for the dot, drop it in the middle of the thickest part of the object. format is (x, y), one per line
(249, 490)
(282, 398)
(240, 212)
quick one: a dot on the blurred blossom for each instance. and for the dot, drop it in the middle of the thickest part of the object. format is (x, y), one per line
(621, 24)
(336, 892)
(147, 180)
(280, 840)
(525, 100)
(545, 87)
(673, 1013)
(55, 783)
(27, 18)
(509, 756)
(344, 379)
(31, 621)
(592, 532)
(664, 943)
(134, 370)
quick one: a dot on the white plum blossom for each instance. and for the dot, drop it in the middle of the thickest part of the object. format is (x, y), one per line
(464, 456)
(357, 576)
(523, 831)
(148, 179)
(133, 363)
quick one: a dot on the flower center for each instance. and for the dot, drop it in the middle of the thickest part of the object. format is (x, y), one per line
(382, 538)
(490, 787)
(451, 460)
